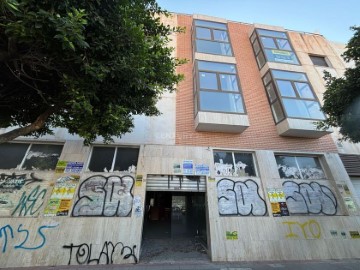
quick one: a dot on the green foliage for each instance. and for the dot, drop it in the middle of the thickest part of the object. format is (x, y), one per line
(93, 64)
(342, 97)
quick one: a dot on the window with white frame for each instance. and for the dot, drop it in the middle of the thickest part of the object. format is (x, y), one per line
(237, 164)
(212, 38)
(299, 167)
(110, 159)
(27, 156)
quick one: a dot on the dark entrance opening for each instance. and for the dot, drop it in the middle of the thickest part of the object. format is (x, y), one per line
(174, 226)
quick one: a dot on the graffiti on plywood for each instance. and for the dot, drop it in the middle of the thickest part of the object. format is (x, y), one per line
(309, 198)
(109, 253)
(240, 198)
(105, 196)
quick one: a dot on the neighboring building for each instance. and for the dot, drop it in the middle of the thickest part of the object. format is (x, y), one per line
(235, 159)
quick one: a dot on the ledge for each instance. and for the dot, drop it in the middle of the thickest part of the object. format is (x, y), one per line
(221, 122)
(300, 128)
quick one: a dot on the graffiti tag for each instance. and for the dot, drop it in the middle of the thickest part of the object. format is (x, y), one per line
(240, 198)
(308, 230)
(83, 253)
(105, 196)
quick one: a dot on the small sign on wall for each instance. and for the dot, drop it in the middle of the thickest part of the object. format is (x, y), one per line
(138, 181)
(278, 202)
(202, 169)
(354, 234)
(231, 235)
(188, 167)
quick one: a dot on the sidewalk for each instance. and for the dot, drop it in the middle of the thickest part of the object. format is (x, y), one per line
(353, 264)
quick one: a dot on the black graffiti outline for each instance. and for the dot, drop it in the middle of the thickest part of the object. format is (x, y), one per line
(237, 208)
(79, 198)
(86, 249)
(27, 181)
(307, 206)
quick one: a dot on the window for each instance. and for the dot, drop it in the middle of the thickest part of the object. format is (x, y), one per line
(299, 167)
(234, 164)
(212, 38)
(272, 46)
(218, 88)
(29, 156)
(109, 159)
(290, 95)
(319, 60)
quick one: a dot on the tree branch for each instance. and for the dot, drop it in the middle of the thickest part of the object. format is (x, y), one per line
(22, 131)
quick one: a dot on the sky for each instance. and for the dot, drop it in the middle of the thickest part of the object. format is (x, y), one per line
(330, 18)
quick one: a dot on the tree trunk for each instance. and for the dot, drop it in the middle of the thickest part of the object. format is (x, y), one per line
(36, 125)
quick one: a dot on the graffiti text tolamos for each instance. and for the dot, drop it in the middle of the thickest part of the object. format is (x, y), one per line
(240, 198)
(22, 234)
(107, 255)
(309, 198)
(308, 230)
(105, 196)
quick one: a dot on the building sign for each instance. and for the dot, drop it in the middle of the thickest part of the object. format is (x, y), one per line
(188, 167)
(202, 169)
(74, 167)
(278, 202)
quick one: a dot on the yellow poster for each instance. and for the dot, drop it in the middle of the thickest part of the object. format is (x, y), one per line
(61, 196)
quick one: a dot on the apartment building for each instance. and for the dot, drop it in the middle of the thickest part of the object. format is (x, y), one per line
(234, 160)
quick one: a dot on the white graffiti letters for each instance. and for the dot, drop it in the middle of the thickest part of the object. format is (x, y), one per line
(240, 198)
(105, 196)
(309, 198)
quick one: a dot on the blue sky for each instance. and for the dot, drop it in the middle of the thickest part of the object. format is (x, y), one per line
(331, 18)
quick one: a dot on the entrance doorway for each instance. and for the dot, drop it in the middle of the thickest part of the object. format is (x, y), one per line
(174, 226)
(175, 215)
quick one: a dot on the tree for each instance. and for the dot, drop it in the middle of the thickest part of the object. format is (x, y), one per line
(85, 65)
(342, 97)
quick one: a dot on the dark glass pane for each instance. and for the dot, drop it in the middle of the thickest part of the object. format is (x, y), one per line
(285, 88)
(287, 167)
(271, 33)
(220, 35)
(281, 56)
(296, 76)
(253, 36)
(213, 47)
(221, 102)
(101, 159)
(277, 111)
(268, 42)
(256, 46)
(271, 92)
(208, 80)
(303, 109)
(228, 82)
(310, 168)
(261, 59)
(210, 24)
(267, 78)
(304, 90)
(42, 157)
(213, 66)
(319, 61)
(203, 33)
(126, 159)
(244, 164)
(224, 164)
(283, 44)
(11, 154)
